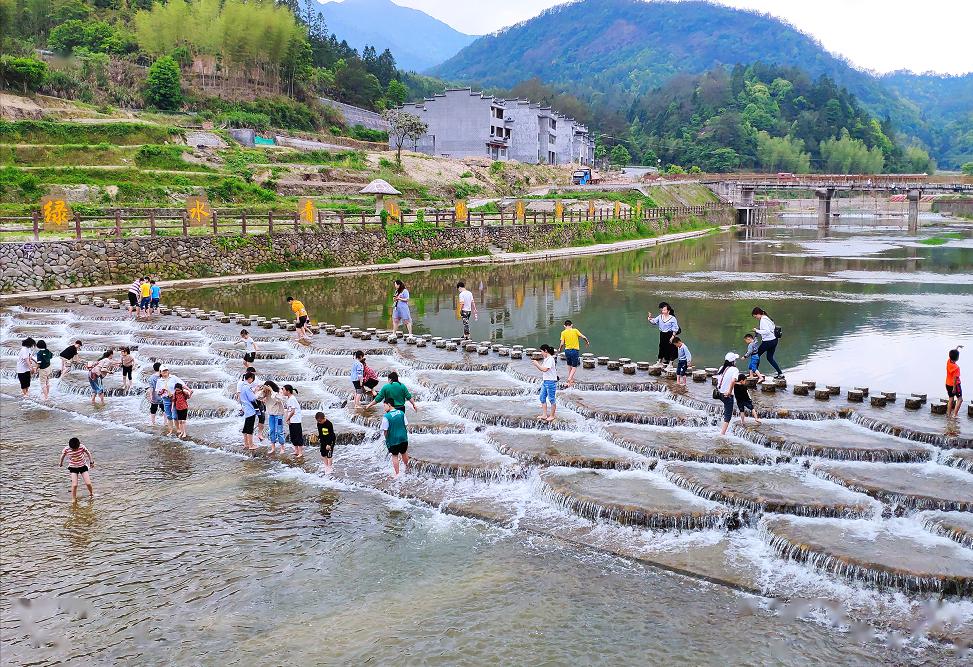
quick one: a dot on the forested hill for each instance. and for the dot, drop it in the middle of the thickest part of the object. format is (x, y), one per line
(610, 50)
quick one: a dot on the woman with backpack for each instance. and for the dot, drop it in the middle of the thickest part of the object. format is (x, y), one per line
(769, 336)
(668, 327)
(726, 379)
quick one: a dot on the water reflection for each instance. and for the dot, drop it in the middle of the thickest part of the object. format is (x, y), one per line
(844, 295)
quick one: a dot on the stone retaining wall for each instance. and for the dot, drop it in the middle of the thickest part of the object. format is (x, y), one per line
(60, 264)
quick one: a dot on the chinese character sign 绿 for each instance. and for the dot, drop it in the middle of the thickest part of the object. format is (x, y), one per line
(56, 213)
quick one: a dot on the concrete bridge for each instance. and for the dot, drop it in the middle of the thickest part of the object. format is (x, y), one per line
(740, 189)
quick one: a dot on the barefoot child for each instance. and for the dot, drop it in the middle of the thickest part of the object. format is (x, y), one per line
(358, 376)
(954, 389)
(394, 427)
(571, 344)
(292, 415)
(43, 357)
(548, 382)
(326, 439)
(744, 402)
(128, 364)
(180, 403)
(152, 395)
(79, 460)
(683, 358)
(249, 349)
(753, 356)
(155, 297)
(26, 364)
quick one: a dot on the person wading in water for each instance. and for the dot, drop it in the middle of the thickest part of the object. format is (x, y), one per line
(668, 327)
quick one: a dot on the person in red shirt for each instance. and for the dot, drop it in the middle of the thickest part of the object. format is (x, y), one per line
(180, 403)
(954, 389)
(79, 460)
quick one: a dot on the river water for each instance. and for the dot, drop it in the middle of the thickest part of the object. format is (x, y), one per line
(864, 302)
(195, 556)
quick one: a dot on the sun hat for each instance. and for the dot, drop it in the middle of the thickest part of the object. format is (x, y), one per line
(732, 356)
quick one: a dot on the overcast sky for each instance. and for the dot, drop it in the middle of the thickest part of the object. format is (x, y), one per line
(881, 35)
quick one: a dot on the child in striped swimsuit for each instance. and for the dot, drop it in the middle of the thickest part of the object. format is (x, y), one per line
(79, 460)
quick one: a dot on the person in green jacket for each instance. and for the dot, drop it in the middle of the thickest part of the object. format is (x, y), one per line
(396, 434)
(396, 392)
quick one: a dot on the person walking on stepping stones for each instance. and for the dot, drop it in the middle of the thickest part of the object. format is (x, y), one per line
(467, 307)
(769, 337)
(726, 380)
(548, 383)
(400, 308)
(668, 327)
(571, 344)
(300, 319)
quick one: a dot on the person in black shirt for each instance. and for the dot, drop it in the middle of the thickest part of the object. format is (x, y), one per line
(326, 439)
(744, 403)
(68, 354)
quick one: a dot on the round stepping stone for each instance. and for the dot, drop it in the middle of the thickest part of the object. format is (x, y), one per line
(878, 401)
(699, 376)
(921, 486)
(855, 396)
(834, 439)
(922, 397)
(810, 384)
(822, 394)
(632, 497)
(559, 448)
(957, 526)
(787, 489)
(882, 554)
(603, 361)
(639, 407)
(689, 445)
(913, 403)
(460, 456)
(801, 390)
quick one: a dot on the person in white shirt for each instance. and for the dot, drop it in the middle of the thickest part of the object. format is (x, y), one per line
(249, 350)
(292, 416)
(725, 380)
(548, 382)
(467, 307)
(165, 388)
(767, 331)
(25, 364)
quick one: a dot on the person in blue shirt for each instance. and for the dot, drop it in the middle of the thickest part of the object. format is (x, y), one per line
(155, 296)
(683, 358)
(247, 399)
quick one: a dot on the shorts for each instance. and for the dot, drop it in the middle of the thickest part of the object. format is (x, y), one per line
(79, 470)
(327, 451)
(370, 384)
(296, 431)
(754, 363)
(133, 300)
(261, 417)
(549, 392)
(744, 406)
(573, 357)
(96, 385)
(154, 303)
(182, 414)
(154, 407)
(954, 391)
(127, 372)
(301, 321)
(727, 408)
(248, 424)
(249, 357)
(24, 380)
(44, 374)
(399, 449)
(359, 390)
(681, 367)
(144, 303)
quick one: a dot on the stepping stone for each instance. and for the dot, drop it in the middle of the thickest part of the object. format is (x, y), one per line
(634, 407)
(633, 497)
(447, 383)
(957, 526)
(834, 439)
(513, 412)
(921, 486)
(689, 445)
(788, 489)
(460, 456)
(887, 554)
(559, 448)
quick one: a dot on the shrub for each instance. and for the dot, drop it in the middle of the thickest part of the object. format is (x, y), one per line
(26, 74)
(496, 167)
(247, 119)
(162, 87)
(463, 190)
(363, 133)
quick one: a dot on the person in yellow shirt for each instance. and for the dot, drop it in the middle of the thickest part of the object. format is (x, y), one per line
(145, 297)
(300, 313)
(571, 344)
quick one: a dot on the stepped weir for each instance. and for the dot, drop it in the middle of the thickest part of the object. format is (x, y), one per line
(877, 493)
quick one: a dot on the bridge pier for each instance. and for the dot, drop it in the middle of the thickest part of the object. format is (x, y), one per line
(914, 196)
(824, 196)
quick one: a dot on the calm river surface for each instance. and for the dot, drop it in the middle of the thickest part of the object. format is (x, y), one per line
(862, 303)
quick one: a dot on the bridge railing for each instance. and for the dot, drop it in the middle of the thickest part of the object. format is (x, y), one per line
(148, 223)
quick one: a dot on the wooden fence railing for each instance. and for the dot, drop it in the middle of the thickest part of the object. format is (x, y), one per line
(142, 223)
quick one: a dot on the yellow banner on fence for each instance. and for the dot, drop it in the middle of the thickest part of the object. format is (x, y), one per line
(638, 209)
(461, 211)
(198, 210)
(308, 211)
(521, 211)
(591, 208)
(394, 211)
(55, 212)
(618, 209)
(558, 210)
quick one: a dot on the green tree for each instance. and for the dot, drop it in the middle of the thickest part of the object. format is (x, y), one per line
(396, 93)
(402, 126)
(620, 156)
(162, 86)
(917, 161)
(845, 155)
(782, 154)
(967, 168)
(25, 74)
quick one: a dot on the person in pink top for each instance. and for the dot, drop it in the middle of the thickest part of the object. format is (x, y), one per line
(79, 461)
